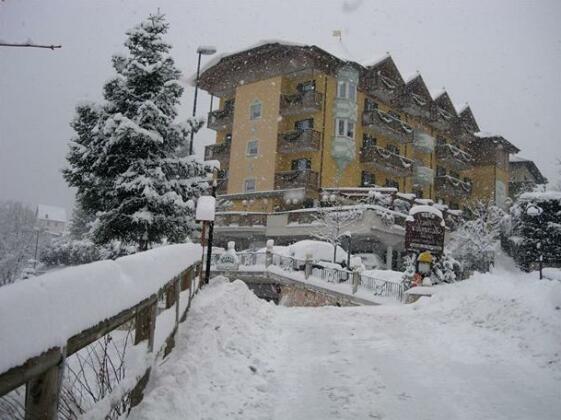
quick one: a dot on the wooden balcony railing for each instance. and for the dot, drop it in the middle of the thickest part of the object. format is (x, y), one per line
(218, 151)
(221, 119)
(296, 179)
(387, 125)
(382, 87)
(301, 103)
(451, 186)
(455, 157)
(241, 219)
(299, 141)
(387, 161)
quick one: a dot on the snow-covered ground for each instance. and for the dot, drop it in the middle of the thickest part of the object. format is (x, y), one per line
(486, 348)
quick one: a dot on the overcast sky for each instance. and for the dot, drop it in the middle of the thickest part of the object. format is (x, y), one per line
(501, 56)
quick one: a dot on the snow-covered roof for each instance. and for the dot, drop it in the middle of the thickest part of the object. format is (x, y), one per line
(541, 196)
(425, 209)
(514, 159)
(45, 212)
(461, 107)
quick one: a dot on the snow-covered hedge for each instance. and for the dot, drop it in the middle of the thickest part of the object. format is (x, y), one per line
(45, 311)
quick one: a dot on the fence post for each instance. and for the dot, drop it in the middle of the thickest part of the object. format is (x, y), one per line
(356, 281)
(42, 393)
(145, 324)
(177, 292)
(308, 266)
(269, 253)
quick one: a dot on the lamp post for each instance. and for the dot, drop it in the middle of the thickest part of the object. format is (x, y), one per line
(200, 51)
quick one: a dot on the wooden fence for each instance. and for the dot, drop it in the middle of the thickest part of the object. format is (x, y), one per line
(42, 375)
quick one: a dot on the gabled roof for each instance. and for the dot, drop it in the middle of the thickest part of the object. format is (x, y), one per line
(467, 117)
(57, 214)
(531, 166)
(418, 86)
(444, 102)
(388, 68)
(484, 137)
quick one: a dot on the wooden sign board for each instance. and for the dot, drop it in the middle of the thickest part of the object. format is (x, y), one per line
(425, 232)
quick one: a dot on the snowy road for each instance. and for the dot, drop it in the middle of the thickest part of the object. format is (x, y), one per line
(489, 348)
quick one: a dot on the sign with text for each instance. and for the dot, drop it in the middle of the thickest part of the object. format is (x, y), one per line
(424, 231)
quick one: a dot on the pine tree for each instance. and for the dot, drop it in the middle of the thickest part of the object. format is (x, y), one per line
(124, 161)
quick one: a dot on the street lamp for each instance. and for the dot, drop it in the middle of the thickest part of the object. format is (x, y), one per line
(200, 51)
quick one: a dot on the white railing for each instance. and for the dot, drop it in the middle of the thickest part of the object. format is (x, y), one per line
(380, 287)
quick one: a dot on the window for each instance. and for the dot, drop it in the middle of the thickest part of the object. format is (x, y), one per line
(368, 141)
(346, 90)
(392, 183)
(302, 125)
(249, 185)
(392, 148)
(255, 110)
(368, 179)
(342, 89)
(345, 128)
(352, 91)
(301, 164)
(251, 148)
(370, 105)
(228, 138)
(440, 171)
(309, 86)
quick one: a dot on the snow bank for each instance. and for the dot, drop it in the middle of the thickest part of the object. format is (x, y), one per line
(511, 308)
(221, 367)
(43, 312)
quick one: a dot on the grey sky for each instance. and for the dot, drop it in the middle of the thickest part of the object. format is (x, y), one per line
(502, 56)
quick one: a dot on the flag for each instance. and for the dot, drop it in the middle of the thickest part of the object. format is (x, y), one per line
(338, 34)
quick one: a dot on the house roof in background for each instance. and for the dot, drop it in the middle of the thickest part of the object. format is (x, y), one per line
(45, 212)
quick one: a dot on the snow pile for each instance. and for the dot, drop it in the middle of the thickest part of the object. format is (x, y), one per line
(551, 273)
(320, 251)
(221, 365)
(511, 309)
(43, 312)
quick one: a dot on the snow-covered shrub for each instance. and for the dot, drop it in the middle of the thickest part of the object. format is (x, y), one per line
(446, 270)
(474, 243)
(66, 251)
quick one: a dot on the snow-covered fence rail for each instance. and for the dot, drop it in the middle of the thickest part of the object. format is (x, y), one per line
(46, 319)
(332, 275)
(383, 287)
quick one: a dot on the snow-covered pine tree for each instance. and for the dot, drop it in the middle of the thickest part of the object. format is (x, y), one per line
(124, 162)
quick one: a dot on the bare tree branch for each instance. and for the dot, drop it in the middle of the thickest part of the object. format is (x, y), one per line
(28, 45)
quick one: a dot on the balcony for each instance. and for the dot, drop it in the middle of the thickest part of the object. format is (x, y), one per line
(416, 105)
(386, 161)
(423, 175)
(296, 179)
(299, 103)
(382, 87)
(384, 124)
(241, 219)
(221, 119)
(452, 187)
(441, 119)
(456, 158)
(299, 141)
(218, 151)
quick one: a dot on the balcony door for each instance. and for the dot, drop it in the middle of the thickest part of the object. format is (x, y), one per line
(304, 125)
(301, 164)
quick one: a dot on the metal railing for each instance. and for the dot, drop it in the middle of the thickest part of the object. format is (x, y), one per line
(301, 102)
(296, 179)
(299, 141)
(387, 160)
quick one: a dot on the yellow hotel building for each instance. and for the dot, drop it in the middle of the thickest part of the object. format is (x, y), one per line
(296, 120)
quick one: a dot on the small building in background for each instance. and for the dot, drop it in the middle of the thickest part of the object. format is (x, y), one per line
(524, 176)
(51, 219)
